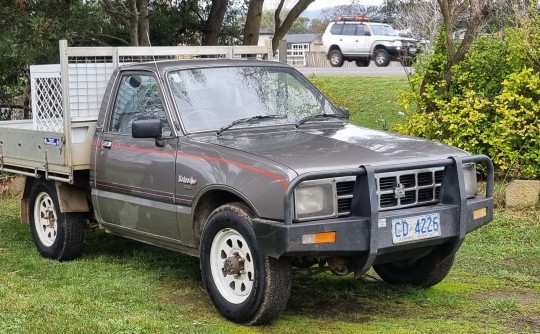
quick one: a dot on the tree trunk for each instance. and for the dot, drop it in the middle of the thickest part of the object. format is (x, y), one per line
(253, 22)
(214, 22)
(478, 12)
(26, 102)
(133, 23)
(127, 13)
(281, 29)
(143, 23)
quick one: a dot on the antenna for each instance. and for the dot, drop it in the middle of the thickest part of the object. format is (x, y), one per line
(153, 56)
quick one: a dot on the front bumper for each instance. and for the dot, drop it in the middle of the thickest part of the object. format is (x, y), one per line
(367, 233)
(353, 233)
(404, 51)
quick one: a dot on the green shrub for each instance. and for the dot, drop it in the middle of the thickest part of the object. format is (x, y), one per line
(515, 143)
(490, 106)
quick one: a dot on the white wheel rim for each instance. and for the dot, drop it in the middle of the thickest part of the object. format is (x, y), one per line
(380, 58)
(335, 58)
(232, 266)
(45, 219)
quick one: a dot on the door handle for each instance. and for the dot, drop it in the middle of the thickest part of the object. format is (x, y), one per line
(106, 144)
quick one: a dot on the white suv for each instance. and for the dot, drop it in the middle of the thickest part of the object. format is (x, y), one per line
(359, 39)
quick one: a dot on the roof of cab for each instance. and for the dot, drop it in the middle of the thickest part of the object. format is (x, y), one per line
(167, 65)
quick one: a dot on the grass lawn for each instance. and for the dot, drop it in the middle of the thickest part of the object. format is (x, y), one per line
(121, 286)
(371, 100)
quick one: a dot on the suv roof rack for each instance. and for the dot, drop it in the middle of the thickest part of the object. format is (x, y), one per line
(363, 18)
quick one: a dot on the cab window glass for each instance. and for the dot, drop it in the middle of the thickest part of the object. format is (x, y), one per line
(243, 92)
(137, 98)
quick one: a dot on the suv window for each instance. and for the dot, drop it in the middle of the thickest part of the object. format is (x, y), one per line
(336, 29)
(360, 30)
(383, 30)
(349, 29)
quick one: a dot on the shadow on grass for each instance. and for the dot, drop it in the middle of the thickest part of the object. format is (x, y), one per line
(105, 246)
(353, 300)
(323, 295)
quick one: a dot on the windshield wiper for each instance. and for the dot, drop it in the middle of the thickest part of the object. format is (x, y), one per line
(247, 120)
(309, 118)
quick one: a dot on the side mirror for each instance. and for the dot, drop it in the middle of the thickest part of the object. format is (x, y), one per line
(367, 33)
(344, 111)
(146, 128)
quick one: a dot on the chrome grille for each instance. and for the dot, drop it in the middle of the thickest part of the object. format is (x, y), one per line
(344, 190)
(421, 187)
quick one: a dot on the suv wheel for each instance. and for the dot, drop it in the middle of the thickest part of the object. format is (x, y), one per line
(336, 58)
(382, 58)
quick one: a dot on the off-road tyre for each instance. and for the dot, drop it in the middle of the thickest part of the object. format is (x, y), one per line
(362, 62)
(381, 57)
(424, 272)
(259, 294)
(57, 235)
(336, 58)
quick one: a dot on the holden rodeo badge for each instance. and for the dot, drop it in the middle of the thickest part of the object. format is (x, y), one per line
(187, 181)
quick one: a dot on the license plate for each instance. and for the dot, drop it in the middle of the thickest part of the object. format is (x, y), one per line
(416, 228)
(412, 50)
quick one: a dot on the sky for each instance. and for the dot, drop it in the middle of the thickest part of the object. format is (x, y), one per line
(319, 4)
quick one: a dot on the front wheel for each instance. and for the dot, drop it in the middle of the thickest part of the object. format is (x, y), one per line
(425, 272)
(57, 235)
(244, 285)
(381, 57)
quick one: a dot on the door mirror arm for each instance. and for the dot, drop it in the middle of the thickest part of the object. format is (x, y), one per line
(345, 112)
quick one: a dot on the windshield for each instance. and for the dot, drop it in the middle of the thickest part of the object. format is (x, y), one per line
(383, 30)
(212, 98)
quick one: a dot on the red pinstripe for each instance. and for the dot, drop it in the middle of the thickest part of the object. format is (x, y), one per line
(202, 157)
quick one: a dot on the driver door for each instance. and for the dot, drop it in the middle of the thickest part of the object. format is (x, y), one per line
(135, 177)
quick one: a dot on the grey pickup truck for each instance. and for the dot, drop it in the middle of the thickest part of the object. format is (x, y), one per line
(242, 163)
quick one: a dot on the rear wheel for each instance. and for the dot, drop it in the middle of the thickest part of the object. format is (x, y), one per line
(426, 271)
(244, 285)
(381, 57)
(336, 58)
(57, 235)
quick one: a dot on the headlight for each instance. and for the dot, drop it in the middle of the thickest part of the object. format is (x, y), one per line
(397, 44)
(469, 173)
(315, 199)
